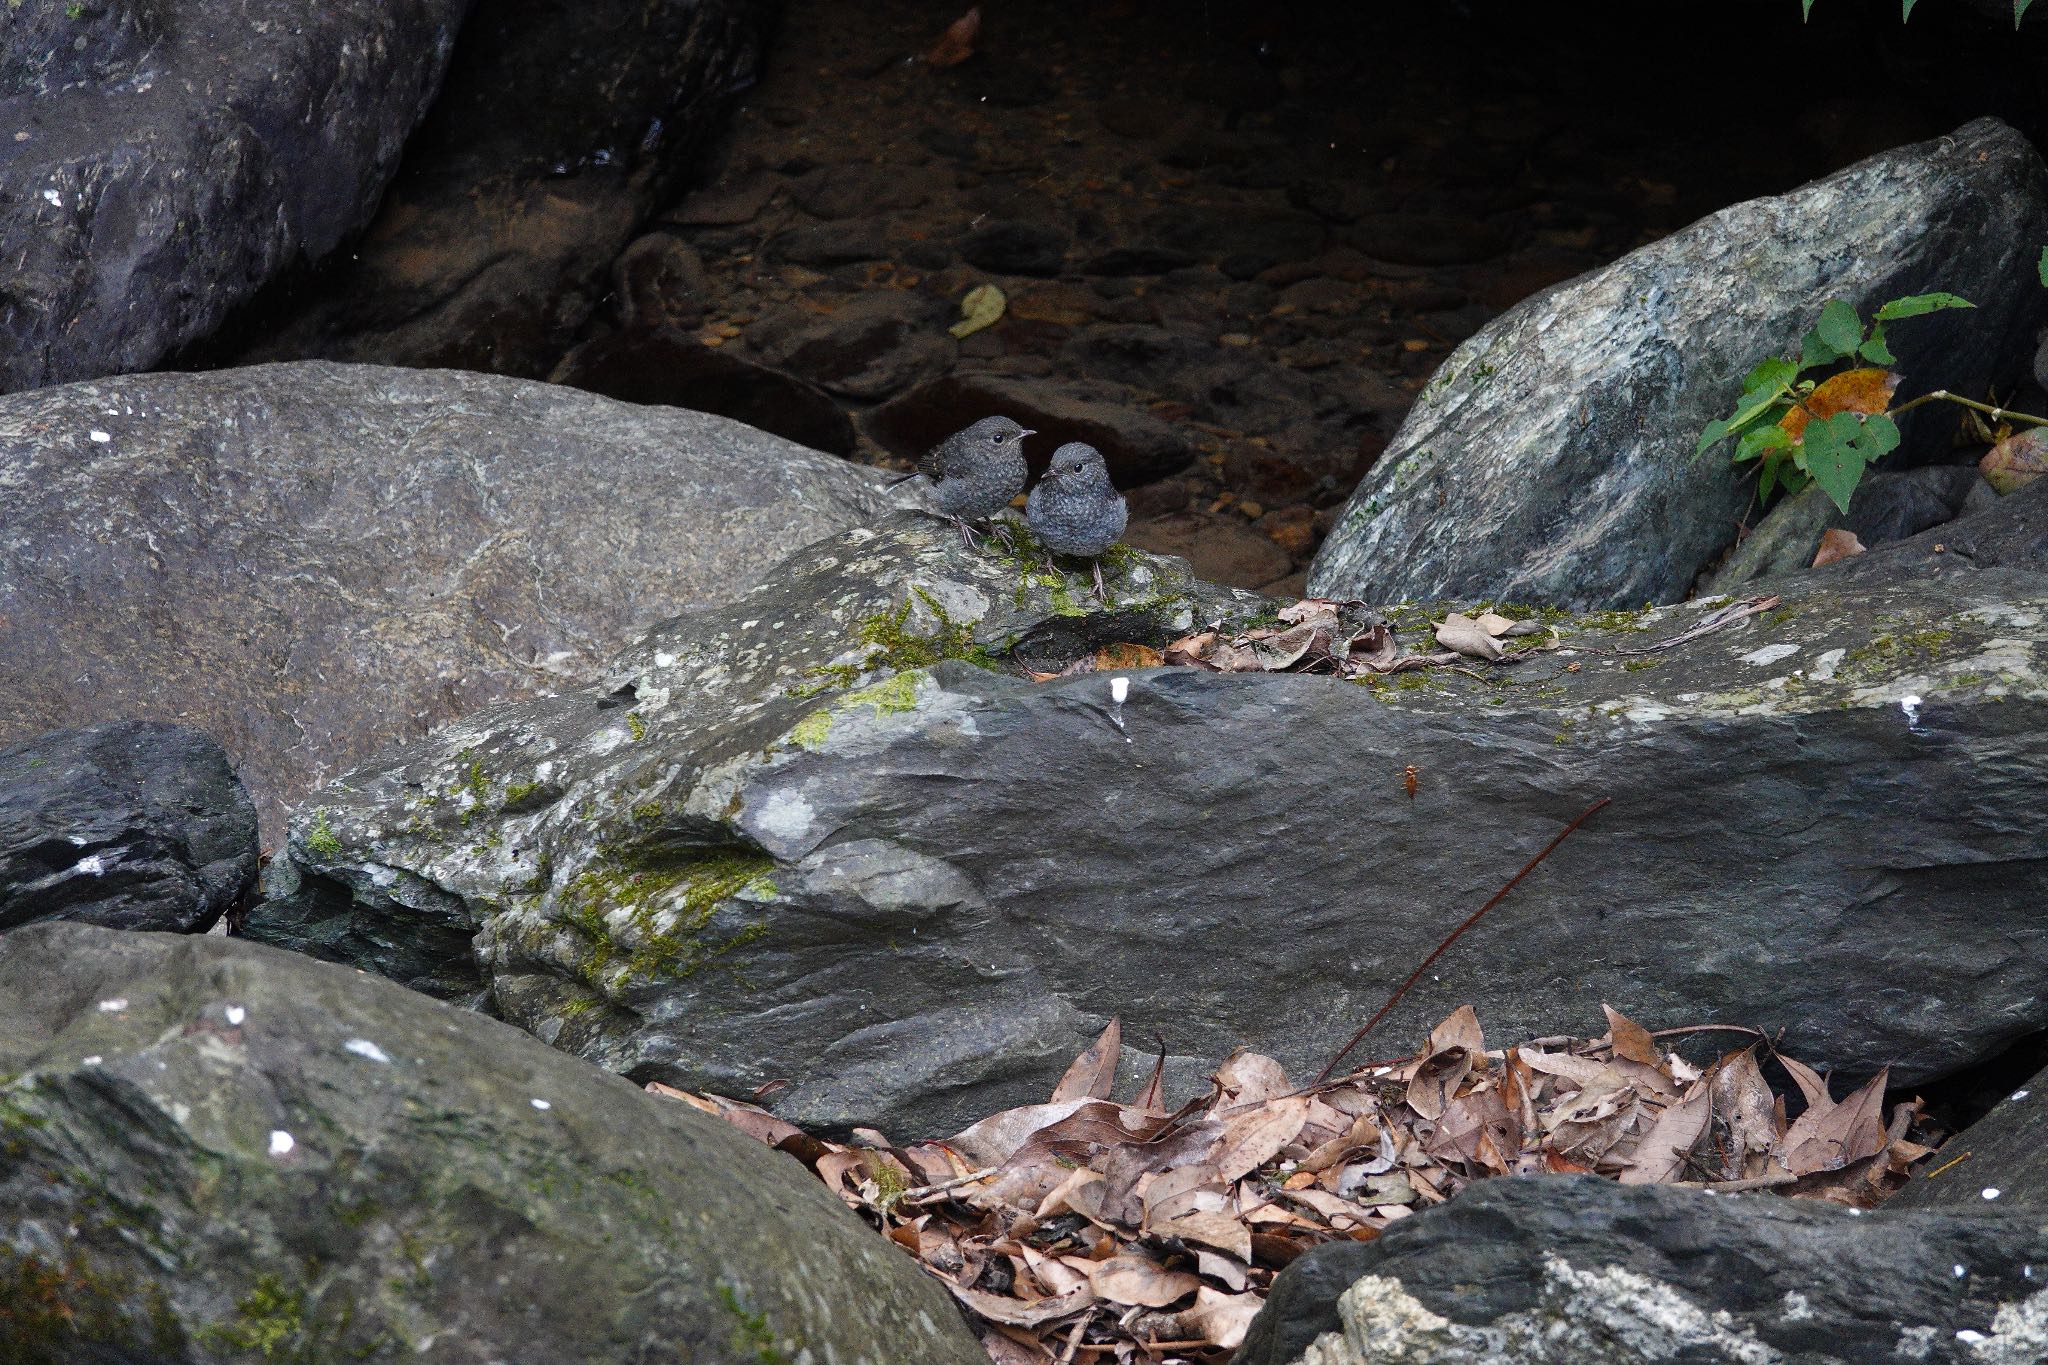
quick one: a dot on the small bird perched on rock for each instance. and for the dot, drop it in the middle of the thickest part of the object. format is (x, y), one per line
(976, 471)
(1075, 510)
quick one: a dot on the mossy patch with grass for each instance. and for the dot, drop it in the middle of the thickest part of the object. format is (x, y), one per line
(651, 913)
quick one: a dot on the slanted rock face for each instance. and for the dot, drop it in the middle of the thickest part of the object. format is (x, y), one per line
(315, 561)
(1551, 457)
(216, 1151)
(1580, 1271)
(130, 826)
(169, 158)
(808, 839)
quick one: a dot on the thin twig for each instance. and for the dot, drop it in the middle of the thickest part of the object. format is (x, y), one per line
(1438, 951)
(925, 1192)
(1997, 414)
(1706, 1028)
(1074, 1337)
(1761, 1182)
(1945, 1165)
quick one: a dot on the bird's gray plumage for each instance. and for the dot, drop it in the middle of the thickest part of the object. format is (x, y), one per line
(977, 470)
(1075, 510)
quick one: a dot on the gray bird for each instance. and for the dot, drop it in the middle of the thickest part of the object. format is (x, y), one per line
(976, 471)
(1075, 510)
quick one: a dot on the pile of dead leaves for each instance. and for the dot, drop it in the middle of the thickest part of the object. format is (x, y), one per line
(1322, 635)
(1085, 1229)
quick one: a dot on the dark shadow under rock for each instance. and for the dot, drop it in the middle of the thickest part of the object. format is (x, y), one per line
(670, 370)
(1137, 446)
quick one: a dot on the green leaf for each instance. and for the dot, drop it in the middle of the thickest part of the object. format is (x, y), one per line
(1805, 10)
(1814, 351)
(1874, 350)
(1880, 436)
(2019, 11)
(1907, 12)
(1840, 327)
(2044, 265)
(1765, 483)
(1755, 443)
(1775, 373)
(1832, 457)
(1914, 305)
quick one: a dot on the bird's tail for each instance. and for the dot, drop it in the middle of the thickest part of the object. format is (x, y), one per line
(898, 482)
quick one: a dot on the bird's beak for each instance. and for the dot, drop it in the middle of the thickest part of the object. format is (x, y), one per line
(1028, 431)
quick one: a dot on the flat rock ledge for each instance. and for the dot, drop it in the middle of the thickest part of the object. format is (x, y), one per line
(826, 837)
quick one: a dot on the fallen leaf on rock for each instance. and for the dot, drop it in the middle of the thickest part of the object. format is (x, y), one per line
(1463, 635)
(1836, 543)
(2016, 461)
(1093, 1073)
(982, 307)
(956, 44)
(1138, 1281)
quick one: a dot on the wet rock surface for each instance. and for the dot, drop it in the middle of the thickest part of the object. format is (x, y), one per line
(1547, 1271)
(127, 826)
(167, 159)
(1495, 487)
(216, 1151)
(558, 130)
(772, 844)
(314, 561)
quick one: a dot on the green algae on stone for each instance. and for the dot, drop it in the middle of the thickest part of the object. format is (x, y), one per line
(321, 839)
(901, 648)
(667, 906)
(810, 732)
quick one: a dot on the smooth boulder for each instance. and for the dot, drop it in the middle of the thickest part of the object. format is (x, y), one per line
(168, 159)
(1582, 1271)
(832, 836)
(2000, 1161)
(315, 561)
(127, 826)
(210, 1150)
(1551, 458)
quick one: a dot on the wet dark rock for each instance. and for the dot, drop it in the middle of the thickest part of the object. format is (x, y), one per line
(198, 146)
(1013, 248)
(218, 1151)
(1887, 506)
(127, 826)
(1136, 260)
(1219, 549)
(830, 244)
(804, 837)
(660, 282)
(2041, 362)
(2006, 1165)
(868, 347)
(1230, 233)
(726, 202)
(1420, 239)
(314, 561)
(1549, 457)
(1137, 446)
(556, 132)
(1547, 1269)
(662, 368)
(861, 188)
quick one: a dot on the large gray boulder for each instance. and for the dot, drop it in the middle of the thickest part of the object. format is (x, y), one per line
(1552, 459)
(559, 129)
(128, 826)
(825, 836)
(214, 1151)
(2000, 1160)
(315, 561)
(166, 159)
(1580, 1271)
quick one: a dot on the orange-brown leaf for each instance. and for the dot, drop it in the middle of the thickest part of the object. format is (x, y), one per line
(1836, 543)
(1631, 1040)
(2017, 460)
(1868, 391)
(956, 44)
(1092, 1074)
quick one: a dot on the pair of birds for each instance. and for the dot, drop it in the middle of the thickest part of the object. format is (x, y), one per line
(1074, 509)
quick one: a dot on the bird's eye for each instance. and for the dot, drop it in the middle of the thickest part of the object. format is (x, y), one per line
(1001, 437)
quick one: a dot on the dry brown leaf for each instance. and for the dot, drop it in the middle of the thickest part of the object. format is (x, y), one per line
(1826, 1138)
(1133, 1279)
(1836, 543)
(1375, 650)
(1016, 1312)
(1744, 1102)
(1252, 1138)
(1092, 1075)
(1312, 611)
(2016, 461)
(1233, 1272)
(1463, 635)
(1218, 1318)
(1661, 1154)
(1631, 1040)
(1249, 1078)
(1453, 1044)
(1112, 657)
(956, 44)
(1192, 650)
(1223, 1231)
(1808, 1080)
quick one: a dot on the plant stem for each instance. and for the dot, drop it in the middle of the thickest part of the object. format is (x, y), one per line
(1945, 396)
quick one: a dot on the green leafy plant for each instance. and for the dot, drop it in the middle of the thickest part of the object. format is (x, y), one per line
(1803, 425)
